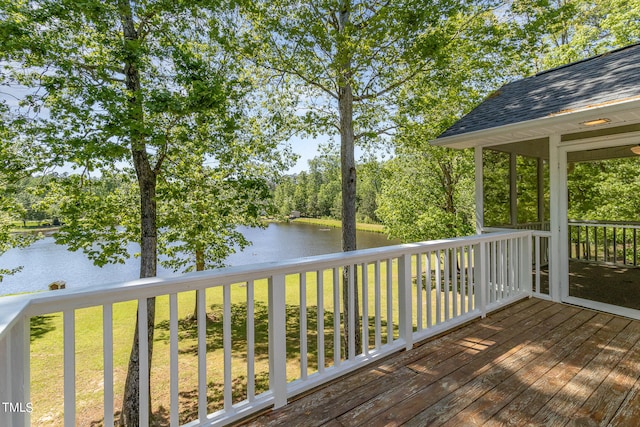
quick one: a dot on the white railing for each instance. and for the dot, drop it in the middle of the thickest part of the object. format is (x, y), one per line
(540, 241)
(277, 328)
(536, 226)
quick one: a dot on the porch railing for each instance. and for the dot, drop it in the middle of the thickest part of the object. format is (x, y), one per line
(539, 226)
(541, 241)
(278, 328)
(612, 242)
(540, 245)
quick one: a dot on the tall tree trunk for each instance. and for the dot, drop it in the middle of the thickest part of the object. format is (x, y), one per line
(148, 225)
(348, 169)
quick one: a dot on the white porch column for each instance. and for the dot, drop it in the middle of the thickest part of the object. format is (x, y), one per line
(513, 189)
(558, 216)
(540, 177)
(479, 190)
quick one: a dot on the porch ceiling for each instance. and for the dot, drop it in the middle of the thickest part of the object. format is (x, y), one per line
(540, 149)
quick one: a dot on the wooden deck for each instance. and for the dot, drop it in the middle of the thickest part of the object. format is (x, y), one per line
(533, 363)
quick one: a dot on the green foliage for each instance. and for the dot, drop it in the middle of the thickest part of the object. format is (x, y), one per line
(369, 185)
(497, 192)
(527, 190)
(204, 202)
(283, 195)
(605, 190)
(495, 174)
(325, 184)
(353, 59)
(377, 51)
(99, 215)
(30, 194)
(317, 193)
(14, 166)
(551, 33)
(427, 191)
(197, 105)
(117, 87)
(427, 194)
(8, 239)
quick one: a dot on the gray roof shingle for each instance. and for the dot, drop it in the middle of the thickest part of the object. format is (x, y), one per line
(610, 77)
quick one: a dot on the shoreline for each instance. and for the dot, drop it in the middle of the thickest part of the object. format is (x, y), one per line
(335, 223)
(47, 231)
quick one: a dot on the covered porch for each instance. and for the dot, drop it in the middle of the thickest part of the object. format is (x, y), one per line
(538, 129)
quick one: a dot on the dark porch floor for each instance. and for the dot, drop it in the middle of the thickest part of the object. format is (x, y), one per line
(608, 283)
(611, 284)
(533, 363)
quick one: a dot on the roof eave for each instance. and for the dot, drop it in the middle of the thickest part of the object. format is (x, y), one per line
(537, 128)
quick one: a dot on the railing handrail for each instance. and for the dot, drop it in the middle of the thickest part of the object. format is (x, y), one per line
(494, 230)
(60, 300)
(601, 223)
(541, 233)
(11, 309)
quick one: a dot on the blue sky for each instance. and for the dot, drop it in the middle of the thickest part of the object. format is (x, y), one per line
(307, 149)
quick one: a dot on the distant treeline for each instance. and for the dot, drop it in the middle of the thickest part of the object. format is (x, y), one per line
(428, 192)
(317, 192)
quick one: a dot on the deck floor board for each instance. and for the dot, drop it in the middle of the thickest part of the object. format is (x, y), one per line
(533, 363)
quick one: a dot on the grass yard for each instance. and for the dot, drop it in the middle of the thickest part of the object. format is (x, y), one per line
(336, 223)
(33, 227)
(47, 347)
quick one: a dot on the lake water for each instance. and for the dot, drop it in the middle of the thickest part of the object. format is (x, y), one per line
(45, 262)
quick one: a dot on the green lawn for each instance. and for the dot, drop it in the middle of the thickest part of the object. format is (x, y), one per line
(336, 223)
(32, 227)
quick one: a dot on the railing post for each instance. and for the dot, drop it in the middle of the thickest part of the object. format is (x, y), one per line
(143, 362)
(277, 340)
(69, 338)
(405, 322)
(482, 265)
(5, 378)
(15, 406)
(526, 264)
(202, 352)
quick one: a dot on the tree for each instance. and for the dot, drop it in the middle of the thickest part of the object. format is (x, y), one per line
(369, 186)
(351, 59)
(496, 192)
(552, 33)
(14, 165)
(123, 83)
(605, 190)
(283, 195)
(427, 194)
(328, 196)
(204, 202)
(300, 194)
(427, 191)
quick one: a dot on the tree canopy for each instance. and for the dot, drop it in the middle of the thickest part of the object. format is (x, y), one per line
(129, 85)
(14, 166)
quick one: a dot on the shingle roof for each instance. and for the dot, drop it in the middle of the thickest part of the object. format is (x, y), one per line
(606, 78)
